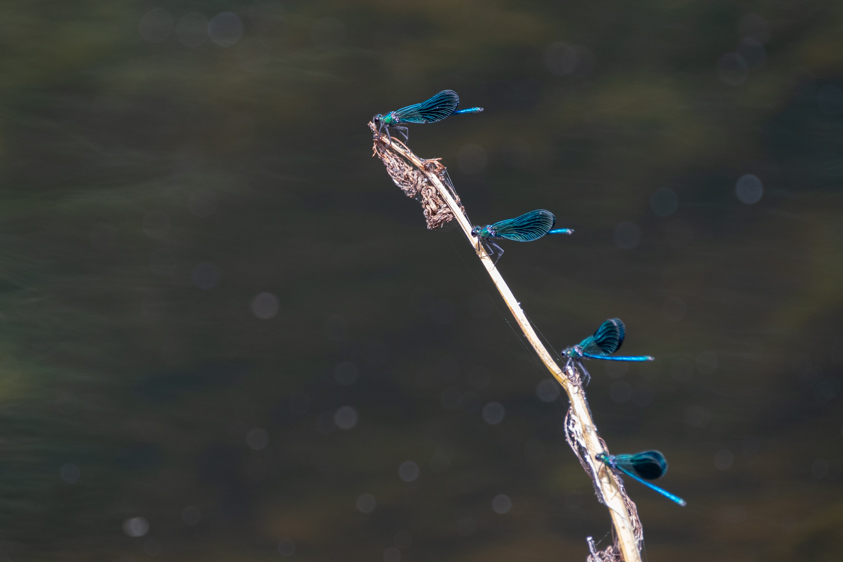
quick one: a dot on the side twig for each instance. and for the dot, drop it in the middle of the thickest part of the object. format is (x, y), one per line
(428, 182)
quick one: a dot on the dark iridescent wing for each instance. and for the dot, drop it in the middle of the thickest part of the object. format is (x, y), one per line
(646, 464)
(606, 340)
(649, 463)
(435, 109)
(526, 228)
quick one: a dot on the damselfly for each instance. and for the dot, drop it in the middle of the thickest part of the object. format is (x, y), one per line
(526, 228)
(643, 466)
(606, 340)
(442, 105)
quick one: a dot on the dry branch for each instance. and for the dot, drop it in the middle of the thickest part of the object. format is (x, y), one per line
(426, 181)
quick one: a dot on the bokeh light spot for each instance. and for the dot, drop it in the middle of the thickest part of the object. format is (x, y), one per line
(561, 58)
(70, 473)
(493, 413)
(755, 27)
(466, 526)
(136, 526)
(205, 276)
(547, 390)
(286, 547)
(265, 306)
(156, 25)
(336, 327)
(408, 471)
(366, 503)
(752, 52)
(733, 514)
(257, 439)
(346, 417)
(697, 416)
(225, 29)
(749, 189)
(391, 554)
(664, 202)
(501, 504)
(627, 235)
(723, 459)
(191, 515)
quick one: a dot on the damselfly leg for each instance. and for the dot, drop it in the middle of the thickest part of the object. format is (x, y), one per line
(492, 249)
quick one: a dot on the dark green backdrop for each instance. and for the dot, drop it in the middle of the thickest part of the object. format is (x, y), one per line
(222, 325)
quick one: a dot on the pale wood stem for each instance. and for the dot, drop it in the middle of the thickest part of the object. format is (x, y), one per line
(580, 415)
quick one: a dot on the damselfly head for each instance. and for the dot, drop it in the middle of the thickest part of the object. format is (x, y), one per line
(475, 230)
(377, 119)
(572, 352)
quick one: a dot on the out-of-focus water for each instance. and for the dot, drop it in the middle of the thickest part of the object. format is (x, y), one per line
(226, 335)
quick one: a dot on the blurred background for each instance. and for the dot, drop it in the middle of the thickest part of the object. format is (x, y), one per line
(227, 335)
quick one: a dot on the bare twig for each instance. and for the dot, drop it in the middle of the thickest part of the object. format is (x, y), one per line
(426, 180)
